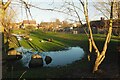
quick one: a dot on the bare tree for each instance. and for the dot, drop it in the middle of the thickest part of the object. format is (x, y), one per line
(3, 8)
(100, 55)
(7, 18)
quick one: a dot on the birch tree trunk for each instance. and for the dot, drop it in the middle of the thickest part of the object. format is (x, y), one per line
(100, 55)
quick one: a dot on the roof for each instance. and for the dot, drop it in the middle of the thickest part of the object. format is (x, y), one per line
(29, 22)
(100, 24)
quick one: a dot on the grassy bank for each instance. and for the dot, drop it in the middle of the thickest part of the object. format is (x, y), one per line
(59, 40)
(79, 69)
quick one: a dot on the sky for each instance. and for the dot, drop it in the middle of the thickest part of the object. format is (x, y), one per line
(47, 16)
(37, 14)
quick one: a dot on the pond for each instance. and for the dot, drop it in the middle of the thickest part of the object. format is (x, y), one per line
(59, 58)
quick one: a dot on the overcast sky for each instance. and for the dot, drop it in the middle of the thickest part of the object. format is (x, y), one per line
(41, 15)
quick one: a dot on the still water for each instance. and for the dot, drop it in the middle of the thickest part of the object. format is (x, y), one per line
(59, 58)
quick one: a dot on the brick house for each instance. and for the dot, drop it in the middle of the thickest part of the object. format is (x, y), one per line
(101, 26)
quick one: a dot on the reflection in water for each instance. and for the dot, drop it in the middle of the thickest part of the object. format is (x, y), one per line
(61, 58)
(36, 62)
(53, 58)
(48, 59)
(26, 56)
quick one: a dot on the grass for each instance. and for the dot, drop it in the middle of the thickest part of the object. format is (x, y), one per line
(60, 40)
(78, 69)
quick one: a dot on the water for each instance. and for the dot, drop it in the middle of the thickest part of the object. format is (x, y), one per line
(59, 58)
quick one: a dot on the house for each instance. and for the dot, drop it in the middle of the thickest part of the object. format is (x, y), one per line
(50, 26)
(116, 27)
(45, 25)
(28, 24)
(101, 26)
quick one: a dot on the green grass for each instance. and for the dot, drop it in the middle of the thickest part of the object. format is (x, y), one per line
(19, 31)
(60, 40)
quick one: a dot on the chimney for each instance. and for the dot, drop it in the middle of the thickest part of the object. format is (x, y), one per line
(102, 19)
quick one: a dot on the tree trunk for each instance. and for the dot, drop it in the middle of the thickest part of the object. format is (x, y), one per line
(3, 7)
(100, 55)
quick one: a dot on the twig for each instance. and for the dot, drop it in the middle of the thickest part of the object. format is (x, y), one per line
(22, 75)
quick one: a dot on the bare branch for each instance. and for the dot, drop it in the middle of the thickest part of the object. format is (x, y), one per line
(100, 10)
(81, 2)
(76, 12)
(75, 6)
(52, 10)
